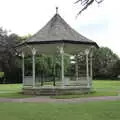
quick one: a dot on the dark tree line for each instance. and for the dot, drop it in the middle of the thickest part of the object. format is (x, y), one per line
(106, 64)
(8, 60)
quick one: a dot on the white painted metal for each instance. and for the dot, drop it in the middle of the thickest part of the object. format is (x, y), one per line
(76, 69)
(28, 80)
(62, 64)
(56, 10)
(23, 68)
(33, 65)
(87, 67)
(91, 72)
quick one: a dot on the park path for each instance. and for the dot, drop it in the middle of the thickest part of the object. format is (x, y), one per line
(52, 100)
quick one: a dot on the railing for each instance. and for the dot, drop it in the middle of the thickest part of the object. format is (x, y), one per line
(28, 81)
(81, 81)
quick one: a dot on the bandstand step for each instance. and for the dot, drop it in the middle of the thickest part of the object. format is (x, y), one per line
(55, 91)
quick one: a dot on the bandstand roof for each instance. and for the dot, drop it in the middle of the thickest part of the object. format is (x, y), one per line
(57, 31)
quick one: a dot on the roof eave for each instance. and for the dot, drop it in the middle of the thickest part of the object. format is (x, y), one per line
(63, 41)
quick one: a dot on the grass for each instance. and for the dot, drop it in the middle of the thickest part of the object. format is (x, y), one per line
(101, 88)
(104, 110)
(109, 110)
(14, 95)
(112, 85)
(10, 87)
(12, 91)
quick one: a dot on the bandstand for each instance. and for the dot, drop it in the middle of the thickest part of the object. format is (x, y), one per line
(57, 38)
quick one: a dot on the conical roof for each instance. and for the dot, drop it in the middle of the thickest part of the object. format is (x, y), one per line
(58, 31)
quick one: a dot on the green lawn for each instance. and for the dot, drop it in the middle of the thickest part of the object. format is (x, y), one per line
(112, 85)
(101, 88)
(104, 110)
(60, 111)
(10, 87)
(11, 91)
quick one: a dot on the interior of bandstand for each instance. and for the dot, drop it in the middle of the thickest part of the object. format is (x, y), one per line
(57, 70)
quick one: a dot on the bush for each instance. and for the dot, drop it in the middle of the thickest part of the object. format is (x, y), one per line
(1, 74)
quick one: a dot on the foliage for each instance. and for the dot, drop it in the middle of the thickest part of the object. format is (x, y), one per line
(105, 63)
(1, 74)
(47, 65)
(87, 3)
(8, 59)
(116, 68)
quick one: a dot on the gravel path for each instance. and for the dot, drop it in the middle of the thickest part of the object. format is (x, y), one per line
(51, 100)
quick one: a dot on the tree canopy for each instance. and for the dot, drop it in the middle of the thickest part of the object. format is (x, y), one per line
(105, 63)
(8, 59)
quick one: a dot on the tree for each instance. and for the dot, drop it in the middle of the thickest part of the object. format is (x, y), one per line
(8, 59)
(104, 63)
(87, 3)
(116, 68)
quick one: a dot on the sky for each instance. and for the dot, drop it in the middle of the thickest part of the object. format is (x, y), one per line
(99, 22)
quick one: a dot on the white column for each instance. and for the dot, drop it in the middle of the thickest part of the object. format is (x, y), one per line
(76, 67)
(23, 68)
(91, 71)
(87, 68)
(33, 65)
(62, 65)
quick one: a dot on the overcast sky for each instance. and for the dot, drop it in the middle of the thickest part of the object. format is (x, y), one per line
(100, 23)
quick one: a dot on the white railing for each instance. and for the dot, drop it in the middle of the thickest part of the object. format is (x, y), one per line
(81, 81)
(28, 81)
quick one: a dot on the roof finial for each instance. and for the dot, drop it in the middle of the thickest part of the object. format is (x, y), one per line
(56, 10)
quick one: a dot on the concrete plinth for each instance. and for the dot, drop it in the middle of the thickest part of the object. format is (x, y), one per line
(55, 90)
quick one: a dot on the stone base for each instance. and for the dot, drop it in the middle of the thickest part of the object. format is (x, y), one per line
(56, 90)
